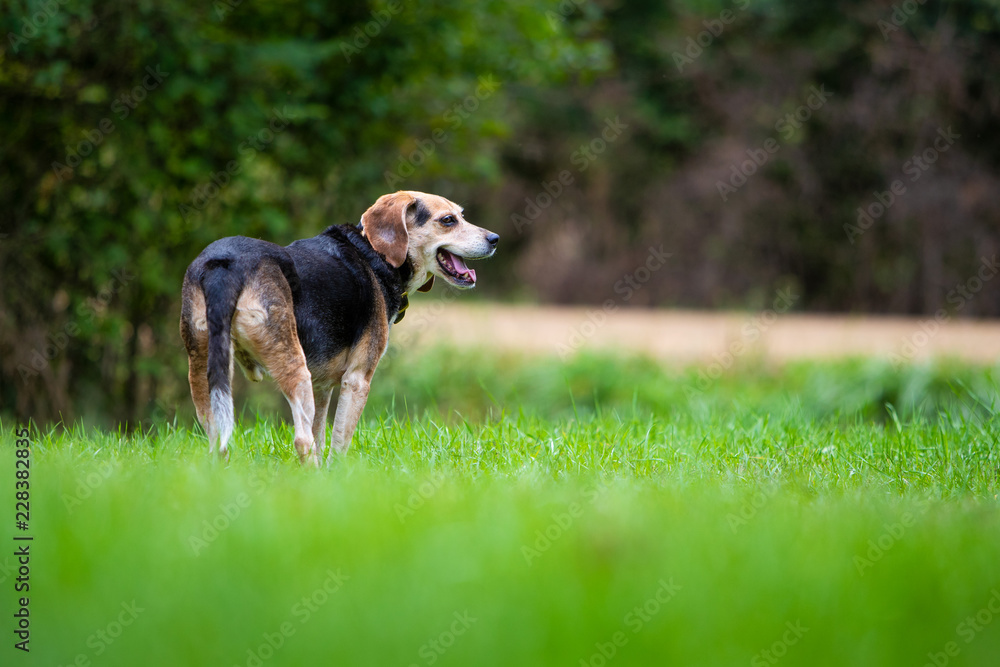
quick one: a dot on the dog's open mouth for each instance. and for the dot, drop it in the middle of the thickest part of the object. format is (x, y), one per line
(454, 267)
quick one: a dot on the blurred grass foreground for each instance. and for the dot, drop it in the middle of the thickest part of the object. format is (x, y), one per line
(580, 513)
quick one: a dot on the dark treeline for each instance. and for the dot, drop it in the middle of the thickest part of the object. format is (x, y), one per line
(844, 152)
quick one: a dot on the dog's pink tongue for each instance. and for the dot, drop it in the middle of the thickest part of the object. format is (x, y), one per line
(461, 268)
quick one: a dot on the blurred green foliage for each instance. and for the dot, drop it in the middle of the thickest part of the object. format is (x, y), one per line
(134, 133)
(137, 133)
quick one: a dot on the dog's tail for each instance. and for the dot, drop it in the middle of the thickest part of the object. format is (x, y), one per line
(222, 283)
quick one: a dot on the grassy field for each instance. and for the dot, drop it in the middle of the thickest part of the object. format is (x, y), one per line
(505, 511)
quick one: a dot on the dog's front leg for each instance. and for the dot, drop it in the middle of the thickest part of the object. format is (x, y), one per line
(353, 395)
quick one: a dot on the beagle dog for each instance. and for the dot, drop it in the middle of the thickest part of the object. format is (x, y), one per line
(316, 314)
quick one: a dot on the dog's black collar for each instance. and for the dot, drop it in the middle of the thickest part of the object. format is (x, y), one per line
(393, 280)
(404, 303)
(405, 273)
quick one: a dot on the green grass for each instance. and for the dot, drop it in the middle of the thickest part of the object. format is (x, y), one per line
(547, 502)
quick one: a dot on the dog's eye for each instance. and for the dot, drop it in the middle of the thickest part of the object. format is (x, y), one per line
(448, 220)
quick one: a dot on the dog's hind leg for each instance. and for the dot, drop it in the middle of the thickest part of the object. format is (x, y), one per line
(296, 385)
(353, 396)
(194, 332)
(265, 323)
(198, 379)
(286, 363)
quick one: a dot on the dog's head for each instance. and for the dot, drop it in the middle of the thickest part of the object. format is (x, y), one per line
(432, 232)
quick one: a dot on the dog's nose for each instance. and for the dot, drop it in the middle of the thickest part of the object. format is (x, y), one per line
(492, 239)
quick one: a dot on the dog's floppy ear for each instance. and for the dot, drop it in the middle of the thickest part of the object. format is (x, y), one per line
(384, 225)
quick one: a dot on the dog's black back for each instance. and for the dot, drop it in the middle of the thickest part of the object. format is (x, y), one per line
(330, 277)
(336, 300)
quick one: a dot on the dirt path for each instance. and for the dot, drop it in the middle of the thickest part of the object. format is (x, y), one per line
(687, 336)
